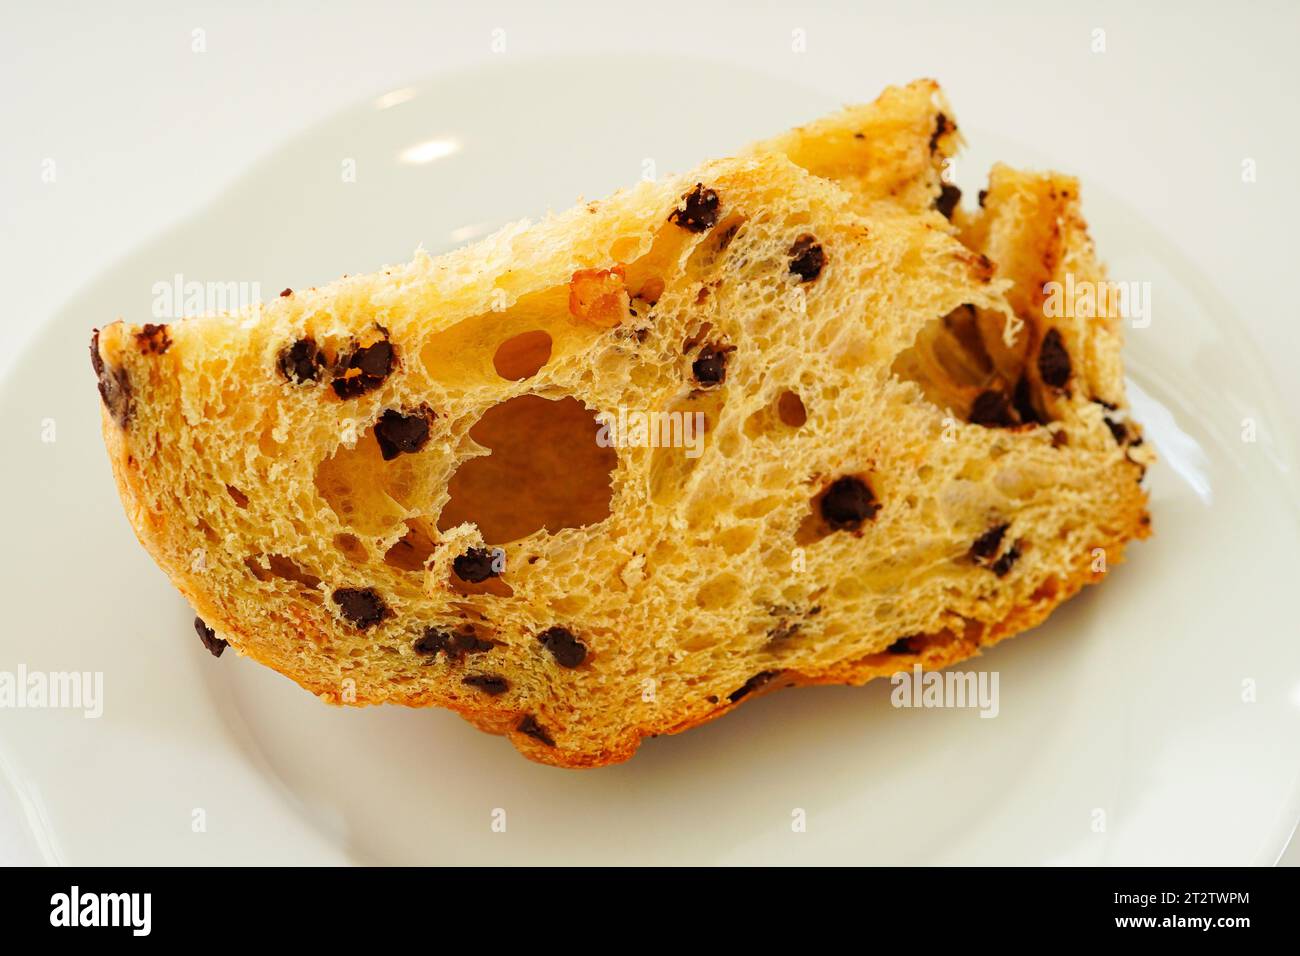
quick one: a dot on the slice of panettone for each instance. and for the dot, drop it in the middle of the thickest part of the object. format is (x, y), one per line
(774, 422)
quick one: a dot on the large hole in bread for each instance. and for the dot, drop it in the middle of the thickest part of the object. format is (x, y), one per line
(522, 356)
(411, 551)
(962, 364)
(545, 471)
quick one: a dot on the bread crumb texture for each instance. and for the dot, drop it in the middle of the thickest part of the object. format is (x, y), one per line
(796, 417)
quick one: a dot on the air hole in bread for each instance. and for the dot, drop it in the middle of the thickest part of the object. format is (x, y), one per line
(736, 540)
(267, 567)
(544, 471)
(710, 253)
(363, 490)
(571, 605)
(758, 424)
(350, 546)
(962, 364)
(790, 409)
(758, 507)
(267, 444)
(718, 592)
(651, 290)
(410, 551)
(697, 337)
(522, 356)
(776, 418)
(237, 496)
(625, 248)
(465, 354)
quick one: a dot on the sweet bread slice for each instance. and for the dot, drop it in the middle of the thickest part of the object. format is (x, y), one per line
(774, 422)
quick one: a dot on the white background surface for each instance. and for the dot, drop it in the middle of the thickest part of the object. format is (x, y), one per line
(143, 130)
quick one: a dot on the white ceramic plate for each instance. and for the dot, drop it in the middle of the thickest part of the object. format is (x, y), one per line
(1126, 707)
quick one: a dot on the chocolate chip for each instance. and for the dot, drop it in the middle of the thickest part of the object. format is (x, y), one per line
(1023, 402)
(114, 385)
(1003, 564)
(1053, 360)
(529, 726)
(946, 201)
(941, 126)
(751, 685)
(567, 650)
(208, 636)
(710, 367)
(1118, 430)
(465, 641)
(375, 361)
(490, 684)
(992, 410)
(363, 607)
(699, 212)
(807, 258)
(983, 195)
(901, 646)
(453, 646)
(986, 545)
(153, 339)
(847, 503)
(431, 642)
(398, 433)
(984, 551)
(285, 293)
(364, 369)
(475, 565)
(96, 360)
(301, 362)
